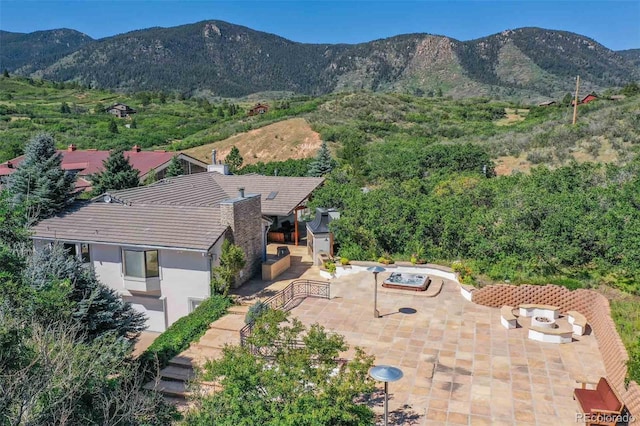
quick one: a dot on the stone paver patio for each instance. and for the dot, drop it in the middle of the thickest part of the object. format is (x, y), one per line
(460, 365)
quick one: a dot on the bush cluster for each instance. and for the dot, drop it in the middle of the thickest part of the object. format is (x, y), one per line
(186, 330)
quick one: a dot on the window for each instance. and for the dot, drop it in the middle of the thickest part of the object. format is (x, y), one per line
(141, 264)
(70, 249)
(194, 303)
(84, 253)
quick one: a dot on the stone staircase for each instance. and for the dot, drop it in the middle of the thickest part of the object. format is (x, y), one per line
(174, 378)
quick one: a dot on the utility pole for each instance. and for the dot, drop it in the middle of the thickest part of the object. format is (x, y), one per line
(575, 102)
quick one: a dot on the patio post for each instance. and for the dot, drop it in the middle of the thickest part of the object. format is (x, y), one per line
(376, 270)
(386, 374)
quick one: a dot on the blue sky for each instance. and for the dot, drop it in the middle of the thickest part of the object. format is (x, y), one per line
(614, 23)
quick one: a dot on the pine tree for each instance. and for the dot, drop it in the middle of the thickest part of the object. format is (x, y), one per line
(323, 164)
(117, 174)
(175, 168)
(234, 160)
(5, 73)
(113, 126)
(95, 306)
(39, 181)
(65, 109)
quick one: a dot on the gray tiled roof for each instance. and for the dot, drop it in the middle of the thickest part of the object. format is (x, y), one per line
(186, 227)
(209, 189)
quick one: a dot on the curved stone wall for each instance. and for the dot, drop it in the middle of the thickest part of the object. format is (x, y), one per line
(594, 306)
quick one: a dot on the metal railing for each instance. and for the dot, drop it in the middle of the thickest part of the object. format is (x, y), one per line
(296, 290)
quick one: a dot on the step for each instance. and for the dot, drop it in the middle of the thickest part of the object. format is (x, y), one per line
(181, 361)
(219, 338)
(239, 309)
(229, 323)
(169, 388)
(177, 373)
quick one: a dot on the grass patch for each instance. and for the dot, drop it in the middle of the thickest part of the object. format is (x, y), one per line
(186, 330)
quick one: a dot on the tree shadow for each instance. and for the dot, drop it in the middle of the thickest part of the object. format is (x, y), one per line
(404, 415)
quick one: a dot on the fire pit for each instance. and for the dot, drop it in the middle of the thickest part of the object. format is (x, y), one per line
(543, 322)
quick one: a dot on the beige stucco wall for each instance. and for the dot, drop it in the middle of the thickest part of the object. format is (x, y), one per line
(184, 275)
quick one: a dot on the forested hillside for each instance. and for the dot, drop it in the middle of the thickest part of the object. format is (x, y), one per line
(363, 125)
(27, 53)
(216, 58)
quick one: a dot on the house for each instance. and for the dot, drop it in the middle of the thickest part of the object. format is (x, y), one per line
(589, 98)
(259, 109)
(121, 110)
(617, 97)
(547, 103)
(156, 245)
(85, 163)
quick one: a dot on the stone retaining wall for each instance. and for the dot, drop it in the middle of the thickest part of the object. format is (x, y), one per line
(594, 306)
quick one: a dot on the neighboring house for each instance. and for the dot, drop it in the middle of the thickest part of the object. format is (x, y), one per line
(121, 110)
(617, 97)
(85, 163)
(547, 103)
(589, 98)
(156, 245)
(259, 109)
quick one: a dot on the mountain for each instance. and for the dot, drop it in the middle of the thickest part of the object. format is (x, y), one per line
(26, 53)
(545, 61)
(631, 55)
(218, 58)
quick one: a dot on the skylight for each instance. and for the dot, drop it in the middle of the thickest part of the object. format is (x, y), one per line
(272, 195)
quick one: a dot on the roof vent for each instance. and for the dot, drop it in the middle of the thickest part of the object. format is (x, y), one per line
(9, 165)
(71, 147)
(136, 148)
(241, 192)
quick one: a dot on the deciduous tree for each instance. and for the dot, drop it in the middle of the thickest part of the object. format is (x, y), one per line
(296, 385)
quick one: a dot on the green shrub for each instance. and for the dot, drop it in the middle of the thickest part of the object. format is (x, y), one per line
(344, 261)
(255, 311)
(186, 330)
(386, 259)
(330, 267)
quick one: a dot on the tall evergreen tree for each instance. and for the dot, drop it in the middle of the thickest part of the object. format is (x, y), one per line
(95, 306)
(39, 182)
(175, 168)
(118, 174)
(234, 160)
(323, 164)
(113, 126)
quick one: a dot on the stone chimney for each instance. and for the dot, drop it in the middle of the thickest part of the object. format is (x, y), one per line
(244, 216)
(136, 148)
(71, 147)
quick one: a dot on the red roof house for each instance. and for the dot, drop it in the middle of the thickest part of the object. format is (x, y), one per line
(85, 163)
(590, 97)
(259, 109)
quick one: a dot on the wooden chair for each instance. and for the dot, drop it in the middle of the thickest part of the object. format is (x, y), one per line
(601, 406)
